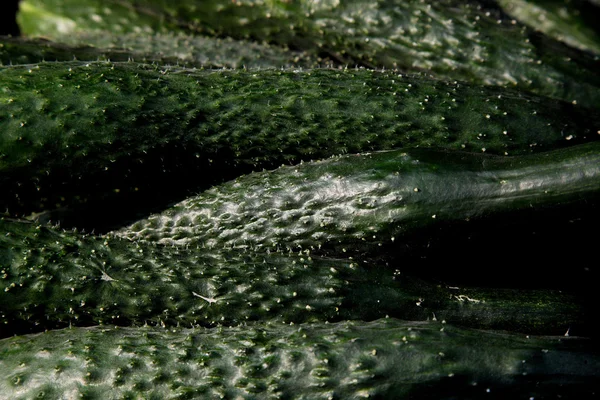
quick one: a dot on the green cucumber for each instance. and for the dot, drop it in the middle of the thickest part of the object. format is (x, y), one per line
(50, 279)
(349, 360)
(200, 51)
(169, 49)
(57, 18)
(369, 205)
(454, 39)
(127, 136)
(574, 22)
(22, 51)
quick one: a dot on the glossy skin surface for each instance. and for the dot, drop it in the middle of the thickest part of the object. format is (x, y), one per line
(52, 278)
(357, 203)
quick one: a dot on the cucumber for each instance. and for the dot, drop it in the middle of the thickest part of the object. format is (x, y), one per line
(574, 22)
(200, 51)
(168, 49)
(52, 278)
(23, 51)
(455, 40)
(369, 205)
(349, 360)
(107, 142)
(58, 19)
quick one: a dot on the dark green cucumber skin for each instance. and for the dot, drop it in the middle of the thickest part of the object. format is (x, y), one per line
(368, 205)
(350, 360)
(456, 40)
(16, 50)
(574, 22)
(164, 49)
(127, 137)
(50, 279)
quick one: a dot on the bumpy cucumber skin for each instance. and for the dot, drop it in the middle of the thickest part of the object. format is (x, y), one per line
(55, 279)
(51, 279)
(354, 205)
(350, 360)
(199, 51)
(573, 22)
(53, 19)
(453, 39)
(23, 51)
(167, 49)
(90, 133)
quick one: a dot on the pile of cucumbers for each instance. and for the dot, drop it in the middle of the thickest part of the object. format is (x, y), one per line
(338, 199)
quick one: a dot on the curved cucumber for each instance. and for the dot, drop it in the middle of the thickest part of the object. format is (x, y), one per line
(454, 39)
(127, 136)
(51, 279)
(353, 205)
(15, 50)
(59, 18)
(574, 22)
(350, 360)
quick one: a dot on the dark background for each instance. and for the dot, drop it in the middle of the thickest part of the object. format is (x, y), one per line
(8, 23)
